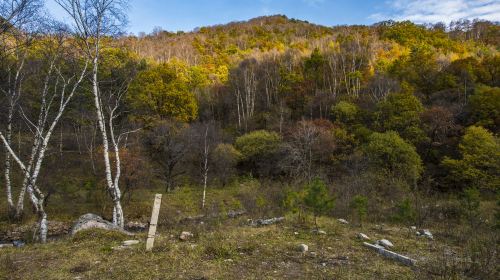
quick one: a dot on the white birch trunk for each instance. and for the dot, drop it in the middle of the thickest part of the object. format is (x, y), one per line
(205, 168)
(112, 188)
(8, 184)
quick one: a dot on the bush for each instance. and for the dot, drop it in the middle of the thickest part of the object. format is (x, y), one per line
(389, 152)
(405, 213)
(480, 161)
(317, 199)
(360, 206)
(471, 202)
(259, 150)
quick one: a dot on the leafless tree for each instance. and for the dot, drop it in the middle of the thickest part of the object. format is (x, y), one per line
(245, 88)
(205, 136)
(168, 143)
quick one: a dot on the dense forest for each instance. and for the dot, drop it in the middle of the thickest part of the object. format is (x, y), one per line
(395, 122)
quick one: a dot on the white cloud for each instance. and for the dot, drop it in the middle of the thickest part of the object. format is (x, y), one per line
(424, 11)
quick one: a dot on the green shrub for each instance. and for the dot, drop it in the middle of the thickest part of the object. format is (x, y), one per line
(360, 206)
(317, 199)
(405, 214)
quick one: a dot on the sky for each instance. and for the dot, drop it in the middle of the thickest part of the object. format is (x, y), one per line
(185, 15)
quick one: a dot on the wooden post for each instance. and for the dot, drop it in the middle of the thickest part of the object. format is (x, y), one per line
(153, 223)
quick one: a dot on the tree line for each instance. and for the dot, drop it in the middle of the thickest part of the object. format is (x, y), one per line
(383, 109)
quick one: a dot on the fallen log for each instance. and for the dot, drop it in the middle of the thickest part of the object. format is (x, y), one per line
(392, 255)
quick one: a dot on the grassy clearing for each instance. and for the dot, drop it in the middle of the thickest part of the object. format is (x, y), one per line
(224, 251)
(225, 248)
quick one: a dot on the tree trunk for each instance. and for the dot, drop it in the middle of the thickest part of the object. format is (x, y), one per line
(113, 189)
(8, 184)
(205, 168)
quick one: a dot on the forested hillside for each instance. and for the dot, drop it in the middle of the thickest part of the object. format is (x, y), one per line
(391, 123)
(326, 90)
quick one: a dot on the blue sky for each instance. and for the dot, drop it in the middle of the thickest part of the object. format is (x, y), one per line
(174, 15)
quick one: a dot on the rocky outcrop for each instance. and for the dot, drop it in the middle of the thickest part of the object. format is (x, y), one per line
(92, 221)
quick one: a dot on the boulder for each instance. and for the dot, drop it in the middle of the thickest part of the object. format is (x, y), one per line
(385, 243)
(303, 248)
(91, 221)
(363, 236)
(6, 245)
(185, 235)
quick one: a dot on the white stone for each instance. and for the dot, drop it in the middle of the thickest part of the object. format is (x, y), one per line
(130, 242)
(385, 243)
(363, 236)
(426, 233)
(343, 221)
(303, 248)
(185, 235)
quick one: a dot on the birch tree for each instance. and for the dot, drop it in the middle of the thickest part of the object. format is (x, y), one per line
(92, 21)
(205, 138)
(60, 84)
(245, 87)
(18, 28)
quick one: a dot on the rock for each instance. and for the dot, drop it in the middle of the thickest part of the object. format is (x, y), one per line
(296, 233)
(136, 226)
(425, 233)
(303, 248)
(266, 222)
(234, 214)
(363, 236)
(90, 221)
(18, 243)
(130, 242)
(343, 221)
(6, 245)
(385, 243)
(319, 231)
(413, 228)
(185, 235)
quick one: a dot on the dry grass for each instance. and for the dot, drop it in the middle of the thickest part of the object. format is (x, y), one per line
(224, 248)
